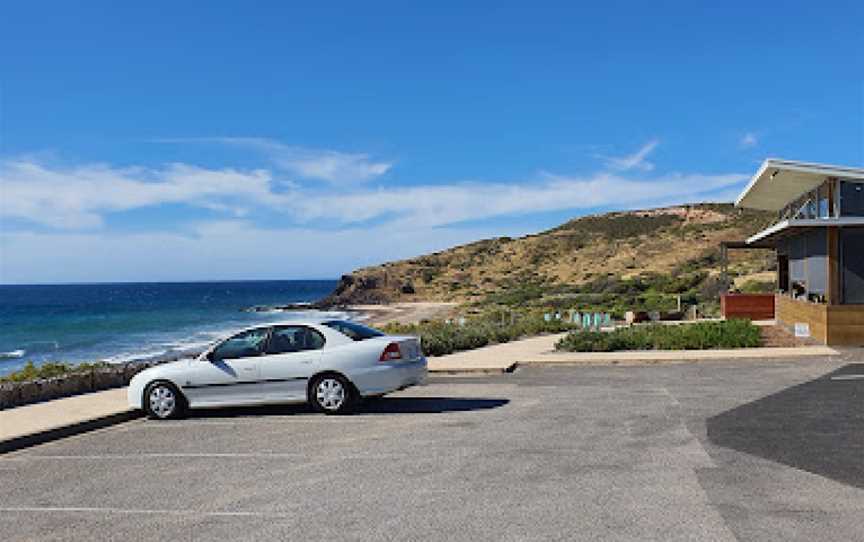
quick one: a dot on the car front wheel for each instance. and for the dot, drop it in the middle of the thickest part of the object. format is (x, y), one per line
(332, 394)
(163, 401)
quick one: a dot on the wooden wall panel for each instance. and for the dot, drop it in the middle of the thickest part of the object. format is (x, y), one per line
(751, 306)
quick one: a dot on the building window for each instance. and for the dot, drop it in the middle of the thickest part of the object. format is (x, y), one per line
(851, 198)
(823, 206)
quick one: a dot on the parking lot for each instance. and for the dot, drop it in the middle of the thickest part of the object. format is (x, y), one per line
(767, 450)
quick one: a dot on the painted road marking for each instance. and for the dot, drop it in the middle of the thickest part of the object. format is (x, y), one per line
(96, 510)
(848, 377)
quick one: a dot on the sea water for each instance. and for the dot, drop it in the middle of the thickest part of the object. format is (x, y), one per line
(137, 321)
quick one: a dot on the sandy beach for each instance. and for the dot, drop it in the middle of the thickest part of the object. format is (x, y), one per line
(404, 313)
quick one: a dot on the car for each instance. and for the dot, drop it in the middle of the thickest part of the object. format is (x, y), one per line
(332, 364)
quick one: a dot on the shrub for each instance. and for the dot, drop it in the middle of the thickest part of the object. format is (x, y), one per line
(440, 338)
(48, 370)
(699, 336)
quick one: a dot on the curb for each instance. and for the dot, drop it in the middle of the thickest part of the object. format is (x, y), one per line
(474, 371)
(48, 435)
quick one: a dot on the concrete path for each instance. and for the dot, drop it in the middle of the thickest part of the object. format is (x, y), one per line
(27, 425)
(541, 350)
(31, 424)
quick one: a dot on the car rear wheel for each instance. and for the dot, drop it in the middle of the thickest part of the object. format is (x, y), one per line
(332, 394)
(162, 401)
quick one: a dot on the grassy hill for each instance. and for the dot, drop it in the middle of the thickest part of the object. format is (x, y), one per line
(629, 256)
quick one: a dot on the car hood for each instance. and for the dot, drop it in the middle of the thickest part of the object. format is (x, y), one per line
(164, 369)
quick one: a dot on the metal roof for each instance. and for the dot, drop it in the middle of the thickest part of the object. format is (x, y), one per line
(779, 182)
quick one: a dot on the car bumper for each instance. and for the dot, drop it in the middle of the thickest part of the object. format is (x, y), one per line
(388, 377)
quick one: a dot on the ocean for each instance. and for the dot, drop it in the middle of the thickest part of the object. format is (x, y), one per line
(137, 321)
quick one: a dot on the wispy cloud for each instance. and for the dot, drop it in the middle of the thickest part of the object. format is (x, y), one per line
(636, 161)
(78, 197)
(321, 164)
(448, 204)
(748, 140)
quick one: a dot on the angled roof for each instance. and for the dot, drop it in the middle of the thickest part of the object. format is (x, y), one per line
(780, 181)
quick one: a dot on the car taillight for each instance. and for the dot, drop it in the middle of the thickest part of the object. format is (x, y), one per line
(391, 353)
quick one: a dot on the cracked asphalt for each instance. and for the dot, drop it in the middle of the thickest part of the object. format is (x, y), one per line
(761, 450)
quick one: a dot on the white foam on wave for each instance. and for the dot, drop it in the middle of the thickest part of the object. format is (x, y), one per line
(13, 354)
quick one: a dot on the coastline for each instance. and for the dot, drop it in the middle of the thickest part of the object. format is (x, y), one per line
(369, 314)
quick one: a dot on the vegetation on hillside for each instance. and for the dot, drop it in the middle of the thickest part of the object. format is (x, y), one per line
(615, 262)
(696, 336)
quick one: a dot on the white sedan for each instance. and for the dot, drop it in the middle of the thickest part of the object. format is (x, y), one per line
(331, 364)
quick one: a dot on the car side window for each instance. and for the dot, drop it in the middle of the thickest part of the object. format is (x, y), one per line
(286, 339)
(243, 345)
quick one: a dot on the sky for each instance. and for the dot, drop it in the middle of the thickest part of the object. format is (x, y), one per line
(172, 141)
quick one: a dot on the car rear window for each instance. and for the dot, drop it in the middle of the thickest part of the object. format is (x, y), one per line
(356, 331)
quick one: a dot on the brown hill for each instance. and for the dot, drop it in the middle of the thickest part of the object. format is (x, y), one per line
(674, 249)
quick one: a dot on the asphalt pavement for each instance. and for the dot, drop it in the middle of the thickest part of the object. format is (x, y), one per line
(761, 450)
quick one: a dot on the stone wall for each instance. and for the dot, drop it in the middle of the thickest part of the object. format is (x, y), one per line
(14, 394)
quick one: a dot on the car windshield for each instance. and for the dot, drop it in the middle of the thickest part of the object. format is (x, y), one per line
(356, 331)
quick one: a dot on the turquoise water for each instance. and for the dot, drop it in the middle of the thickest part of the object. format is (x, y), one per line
(121, 322)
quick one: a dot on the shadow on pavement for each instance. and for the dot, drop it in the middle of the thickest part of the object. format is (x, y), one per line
(382, 405)
(817, 426)
(427, 405)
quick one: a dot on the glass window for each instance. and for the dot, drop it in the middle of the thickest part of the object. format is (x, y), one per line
(286, 339)
(851, 198)
(243, 345)
(356, 331)
(823, 201)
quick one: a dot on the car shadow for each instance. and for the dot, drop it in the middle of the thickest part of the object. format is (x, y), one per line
(427, 405)
(380, 405)
(817, 426)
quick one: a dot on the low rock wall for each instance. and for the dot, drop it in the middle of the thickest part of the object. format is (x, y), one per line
(13, 394)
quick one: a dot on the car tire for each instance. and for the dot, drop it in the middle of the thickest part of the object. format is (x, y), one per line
(163, 401)
(332, 394)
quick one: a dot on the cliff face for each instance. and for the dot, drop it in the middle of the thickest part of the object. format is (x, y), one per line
(619, 245)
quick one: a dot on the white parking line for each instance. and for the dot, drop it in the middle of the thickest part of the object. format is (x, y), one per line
(96, 510)
(208, 455)
(191, 455)
(848, 377)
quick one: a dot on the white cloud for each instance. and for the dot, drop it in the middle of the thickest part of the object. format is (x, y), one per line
(748, 140)
(79, 196)
(321, 164)
(448, 204)
(637, 160)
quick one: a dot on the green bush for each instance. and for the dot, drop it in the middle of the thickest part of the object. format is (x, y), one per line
(699, 336)
(48, 370)
(758, 287)
(440, 338)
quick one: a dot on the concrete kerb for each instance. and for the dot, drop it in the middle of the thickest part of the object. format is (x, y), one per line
(64, 431)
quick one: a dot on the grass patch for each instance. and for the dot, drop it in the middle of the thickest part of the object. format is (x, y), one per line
(699, 336)
(48, 370)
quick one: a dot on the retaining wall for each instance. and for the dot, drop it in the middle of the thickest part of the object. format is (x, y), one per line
(13, 394)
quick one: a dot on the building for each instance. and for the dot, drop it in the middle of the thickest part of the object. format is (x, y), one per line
(819, 241)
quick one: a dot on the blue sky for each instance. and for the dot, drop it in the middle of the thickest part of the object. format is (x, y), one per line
(217, 140)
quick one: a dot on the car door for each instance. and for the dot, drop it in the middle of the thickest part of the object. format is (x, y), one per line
(291, 357)
(230, 373)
